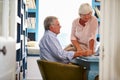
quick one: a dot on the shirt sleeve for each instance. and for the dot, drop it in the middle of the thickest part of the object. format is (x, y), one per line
(73, 29)
(94, 29)
(57, 51)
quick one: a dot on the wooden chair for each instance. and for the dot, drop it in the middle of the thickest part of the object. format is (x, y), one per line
(59, 71)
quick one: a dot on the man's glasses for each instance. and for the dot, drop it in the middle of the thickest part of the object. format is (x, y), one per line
(56, 25)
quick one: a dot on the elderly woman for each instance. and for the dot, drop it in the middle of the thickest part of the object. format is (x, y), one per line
(83, 30)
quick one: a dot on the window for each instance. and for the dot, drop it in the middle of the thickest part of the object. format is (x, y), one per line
(65, 10)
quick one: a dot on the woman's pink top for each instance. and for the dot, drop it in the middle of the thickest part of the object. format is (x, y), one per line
(84, 33)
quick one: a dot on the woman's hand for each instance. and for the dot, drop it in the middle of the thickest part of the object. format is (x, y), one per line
(80, 53)
(89, 52)
(79, 49)
(83, 53)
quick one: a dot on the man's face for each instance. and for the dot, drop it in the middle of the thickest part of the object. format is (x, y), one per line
(55, 27)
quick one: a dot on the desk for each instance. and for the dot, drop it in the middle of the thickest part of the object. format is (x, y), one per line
(91, 64)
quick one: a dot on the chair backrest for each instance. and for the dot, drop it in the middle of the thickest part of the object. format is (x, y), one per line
(59, 71)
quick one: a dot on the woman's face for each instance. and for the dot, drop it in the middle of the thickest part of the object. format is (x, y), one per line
(86, 17)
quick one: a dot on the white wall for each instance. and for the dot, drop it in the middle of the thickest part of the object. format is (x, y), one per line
(65, 10)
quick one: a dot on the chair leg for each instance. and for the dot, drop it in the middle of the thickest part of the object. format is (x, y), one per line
(97, 77)
(85, 75)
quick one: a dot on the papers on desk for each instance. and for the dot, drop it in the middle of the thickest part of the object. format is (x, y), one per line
(89, 58)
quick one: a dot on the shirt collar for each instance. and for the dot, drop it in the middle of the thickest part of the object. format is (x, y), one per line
(51, 33)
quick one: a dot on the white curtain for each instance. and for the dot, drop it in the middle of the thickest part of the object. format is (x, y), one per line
(110, 40)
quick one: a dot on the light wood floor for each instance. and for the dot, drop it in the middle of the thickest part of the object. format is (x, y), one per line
(33, 72)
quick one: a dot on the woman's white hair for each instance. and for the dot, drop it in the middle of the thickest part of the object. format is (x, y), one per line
(85, 8)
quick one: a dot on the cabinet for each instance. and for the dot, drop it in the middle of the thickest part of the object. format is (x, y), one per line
(96, 7)
(32, 27)
(21, 39)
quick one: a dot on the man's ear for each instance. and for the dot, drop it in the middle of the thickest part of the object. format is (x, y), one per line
(51, 28)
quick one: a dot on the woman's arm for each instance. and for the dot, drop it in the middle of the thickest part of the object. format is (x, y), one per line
(91, 45)
(76, 45)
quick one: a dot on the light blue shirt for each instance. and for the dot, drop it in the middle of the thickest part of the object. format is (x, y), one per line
(51, 49)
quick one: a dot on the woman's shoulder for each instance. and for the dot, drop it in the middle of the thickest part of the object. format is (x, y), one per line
(94, 18)
(76, 20)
